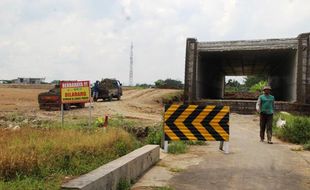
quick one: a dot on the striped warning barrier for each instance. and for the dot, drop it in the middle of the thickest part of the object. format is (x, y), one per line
(196, 122)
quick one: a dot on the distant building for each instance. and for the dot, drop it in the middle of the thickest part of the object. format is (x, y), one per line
(5, 81)
(28, 80)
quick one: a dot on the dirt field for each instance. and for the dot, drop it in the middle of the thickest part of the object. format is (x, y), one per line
(18, 99)
(140, 104)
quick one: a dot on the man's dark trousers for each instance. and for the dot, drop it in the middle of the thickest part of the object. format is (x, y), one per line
(266, 124)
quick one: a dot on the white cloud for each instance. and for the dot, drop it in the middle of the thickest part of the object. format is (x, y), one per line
(71, 39)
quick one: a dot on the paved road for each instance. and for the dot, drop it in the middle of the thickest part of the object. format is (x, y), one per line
(250, 165)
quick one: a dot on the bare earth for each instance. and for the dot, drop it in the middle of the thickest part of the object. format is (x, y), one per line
(19, 99)
(249, 165)
(135, 104)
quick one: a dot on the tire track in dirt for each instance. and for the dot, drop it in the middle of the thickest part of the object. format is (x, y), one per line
(140, 104)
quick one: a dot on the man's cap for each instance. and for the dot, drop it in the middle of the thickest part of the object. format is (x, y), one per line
(267, 88)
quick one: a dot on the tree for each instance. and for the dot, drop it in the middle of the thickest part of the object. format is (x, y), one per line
(252, 80)
(55, 82)
(144, 85)
(233, 86)
(258, 86)
(169, 83)
(233, 83)
(159, 83)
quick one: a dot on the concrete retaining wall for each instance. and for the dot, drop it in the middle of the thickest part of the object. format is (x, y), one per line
(249, 106)
(128, 167)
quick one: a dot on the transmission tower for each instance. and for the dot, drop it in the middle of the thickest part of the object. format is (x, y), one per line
(131, 66)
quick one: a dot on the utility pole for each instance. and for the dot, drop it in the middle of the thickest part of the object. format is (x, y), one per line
(131, 66)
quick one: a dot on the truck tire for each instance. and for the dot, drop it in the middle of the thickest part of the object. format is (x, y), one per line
(66, 106)
(110, 98)
(82, 105)
(118, 97)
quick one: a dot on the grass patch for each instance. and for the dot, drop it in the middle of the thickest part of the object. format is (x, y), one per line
(40, 158)
(123, 184)
(121, 121)
(155, 135)
(296, 149)
(175, 97)
(200, 143)
(177, 147)
(176, 170)
(131, 126)
(307, 145)
(14, 117)
(160, 164)
(296, 129)
(31, 183)
(23, 120)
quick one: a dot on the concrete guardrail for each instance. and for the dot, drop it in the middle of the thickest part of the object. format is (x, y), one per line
(128, 167)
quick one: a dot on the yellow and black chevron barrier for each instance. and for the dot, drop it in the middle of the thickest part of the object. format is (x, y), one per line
(196, 122)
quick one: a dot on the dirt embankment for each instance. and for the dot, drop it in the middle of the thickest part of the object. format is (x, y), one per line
(27, 86)
(140, 104)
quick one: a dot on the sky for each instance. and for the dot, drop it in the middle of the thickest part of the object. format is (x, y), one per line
(90, 39)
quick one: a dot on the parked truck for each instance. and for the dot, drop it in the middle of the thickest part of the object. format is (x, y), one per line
(51, 100)
(108, 89)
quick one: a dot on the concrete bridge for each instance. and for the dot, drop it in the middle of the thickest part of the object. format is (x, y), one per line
(285, 61)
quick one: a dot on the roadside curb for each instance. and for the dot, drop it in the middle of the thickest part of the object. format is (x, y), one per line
(128, 167)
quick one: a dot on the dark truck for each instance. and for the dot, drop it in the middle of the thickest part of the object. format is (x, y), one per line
(108, 89)
(51, 100)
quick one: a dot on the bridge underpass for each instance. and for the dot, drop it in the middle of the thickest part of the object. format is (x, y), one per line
(286, 62)
(279, 65)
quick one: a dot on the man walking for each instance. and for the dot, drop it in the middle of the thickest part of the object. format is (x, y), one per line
(265, 106)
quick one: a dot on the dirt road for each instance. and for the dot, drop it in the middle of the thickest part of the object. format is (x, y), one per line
(250, 164)
(136, 104)
(139, 104)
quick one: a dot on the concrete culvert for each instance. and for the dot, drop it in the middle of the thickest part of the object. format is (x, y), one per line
(286, 62)
(279, 65)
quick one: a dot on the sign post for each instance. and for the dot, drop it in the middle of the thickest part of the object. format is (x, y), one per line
(89, 120)
(62, 114)
(74, 92)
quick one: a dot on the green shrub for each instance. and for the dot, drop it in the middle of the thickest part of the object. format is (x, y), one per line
(177, 147)
(169, 83)
(307, 145)
(154, 136)
(123, 184)
(296, 130)
(258, 87)
(121, 148)
(201, 143)
(175, 97)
